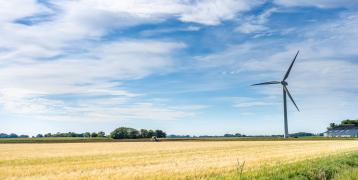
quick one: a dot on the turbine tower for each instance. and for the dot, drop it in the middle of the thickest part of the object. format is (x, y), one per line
(285, 91)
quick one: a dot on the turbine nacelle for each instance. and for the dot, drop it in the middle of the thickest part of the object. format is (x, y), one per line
(284, 83)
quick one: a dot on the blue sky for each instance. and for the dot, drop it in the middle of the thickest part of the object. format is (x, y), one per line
(184, 66)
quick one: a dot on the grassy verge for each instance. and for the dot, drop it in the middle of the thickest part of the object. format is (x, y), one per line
(347, 174)
(87, 140)
(341, 166)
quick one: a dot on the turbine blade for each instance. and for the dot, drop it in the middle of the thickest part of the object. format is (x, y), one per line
(267, 83)
(289, 95)
(289, 69)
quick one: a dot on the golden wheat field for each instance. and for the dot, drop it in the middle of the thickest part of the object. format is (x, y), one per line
(156, 160)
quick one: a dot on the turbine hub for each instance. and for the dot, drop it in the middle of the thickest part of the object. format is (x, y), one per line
(284, 83)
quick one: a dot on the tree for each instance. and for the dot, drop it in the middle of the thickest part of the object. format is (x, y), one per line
(332, 125)
(144, 133)
(101, 134)
(87, 134)
(160, 134)
(228, 135)
(94, 134)
(233, 135)
(39, 136)
(151, 133)
(133, 133)
(178, 136)
(122, 133)
(119, 133)
(71, 134)
(343, 123)
(58, 134)
(3, 135)
(302, 134)
(349, 121)
(12, 135)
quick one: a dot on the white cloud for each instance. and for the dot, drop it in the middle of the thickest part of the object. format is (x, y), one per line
(118, 60)
(76, 23)
(212, 12)
(207, 12)
(255, 24)
(318, 3)
(330, 44)
(90, 109)
(250, 28)
(162, 31)
(245, 103)
(14, 9)
(26, 85)
(65, 55)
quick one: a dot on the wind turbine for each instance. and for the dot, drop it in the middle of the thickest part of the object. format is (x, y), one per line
(285, 91)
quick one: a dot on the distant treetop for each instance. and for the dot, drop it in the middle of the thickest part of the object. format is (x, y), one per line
(343, 123)
(349, 121)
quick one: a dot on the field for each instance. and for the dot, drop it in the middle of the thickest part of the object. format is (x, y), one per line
(164, 160)
(104, 139)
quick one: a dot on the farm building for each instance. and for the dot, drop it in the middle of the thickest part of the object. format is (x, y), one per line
(349, 130)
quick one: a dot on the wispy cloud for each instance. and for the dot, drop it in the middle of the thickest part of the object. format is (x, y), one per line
(202, 12)
(26, 85)
(256, 24)
(162, 31)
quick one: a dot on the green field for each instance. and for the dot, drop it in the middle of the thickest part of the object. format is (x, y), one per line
(342, 166)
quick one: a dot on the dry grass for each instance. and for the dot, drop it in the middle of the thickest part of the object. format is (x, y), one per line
(136, 160)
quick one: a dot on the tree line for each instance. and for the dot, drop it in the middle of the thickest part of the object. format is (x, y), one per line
(119, 133)
(343, 123)
(12, 135)
(298, 134)
(73, 134)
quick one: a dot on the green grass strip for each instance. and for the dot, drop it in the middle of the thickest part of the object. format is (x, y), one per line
(341, 166)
